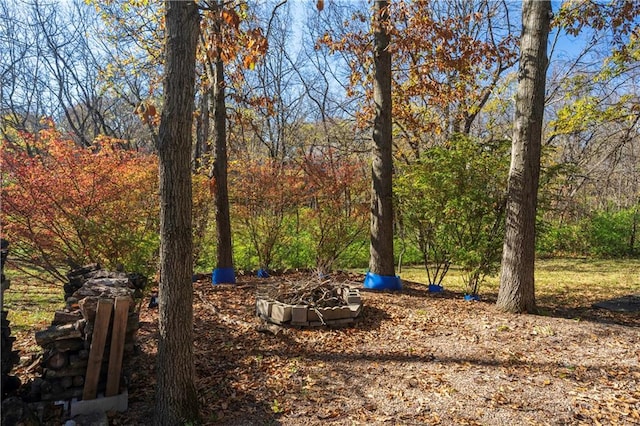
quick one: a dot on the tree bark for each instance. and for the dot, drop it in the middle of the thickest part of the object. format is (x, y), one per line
(223, 217)
(517, 291)
(224, 253)
(176, 399)
(381, 259)
(201, 147)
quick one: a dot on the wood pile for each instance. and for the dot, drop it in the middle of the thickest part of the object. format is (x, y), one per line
(321, 294)
(10, 358)
(86, 342)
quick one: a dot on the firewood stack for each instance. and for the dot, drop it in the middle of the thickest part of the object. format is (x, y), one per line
(10, 358)
(75, 364)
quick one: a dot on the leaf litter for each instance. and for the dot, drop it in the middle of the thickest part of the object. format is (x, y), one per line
(412, 357)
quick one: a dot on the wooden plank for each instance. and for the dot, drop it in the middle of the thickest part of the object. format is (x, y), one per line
(98, 340)
(117, 345)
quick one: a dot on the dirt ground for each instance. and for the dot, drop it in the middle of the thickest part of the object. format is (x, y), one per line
(412, 358)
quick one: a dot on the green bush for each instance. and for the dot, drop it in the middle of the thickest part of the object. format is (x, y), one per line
(611, 234)
(452, 204)
(614, 234)
(555, 238)
(356, 256)
(296, 251)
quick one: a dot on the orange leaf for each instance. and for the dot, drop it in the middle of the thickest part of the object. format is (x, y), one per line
(151, 111)
(231, 18)
(249, 62)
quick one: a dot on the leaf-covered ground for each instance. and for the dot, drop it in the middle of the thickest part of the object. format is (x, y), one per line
(412, 358)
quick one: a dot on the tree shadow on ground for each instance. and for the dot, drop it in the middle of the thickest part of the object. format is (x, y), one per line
(140, 378)
(243, 375)
(554, 306)
(418, 290)
(223, 358)
(548, 305)
(402, 357)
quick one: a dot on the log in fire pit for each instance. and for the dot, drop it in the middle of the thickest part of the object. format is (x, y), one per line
(309, 304)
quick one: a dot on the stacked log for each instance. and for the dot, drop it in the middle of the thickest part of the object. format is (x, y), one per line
(10, 358)
(67, 343)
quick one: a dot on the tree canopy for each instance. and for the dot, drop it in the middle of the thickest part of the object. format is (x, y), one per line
(299, 103)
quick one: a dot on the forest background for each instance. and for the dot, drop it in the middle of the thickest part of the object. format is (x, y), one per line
(81, 93)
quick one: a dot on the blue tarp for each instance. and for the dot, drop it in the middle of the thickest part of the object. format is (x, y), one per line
(381, 282)
(223, 276)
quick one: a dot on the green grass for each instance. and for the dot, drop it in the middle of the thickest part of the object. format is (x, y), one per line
(569, 282)
(31, 302)
(452, 281)
(559, 281)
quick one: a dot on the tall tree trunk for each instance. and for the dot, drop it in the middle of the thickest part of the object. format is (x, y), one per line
(517, 292)
(176, 399)
(201, 147)
(223, 218)
(381, 260)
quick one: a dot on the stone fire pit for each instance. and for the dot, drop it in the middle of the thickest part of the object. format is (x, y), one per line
(309, 304)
